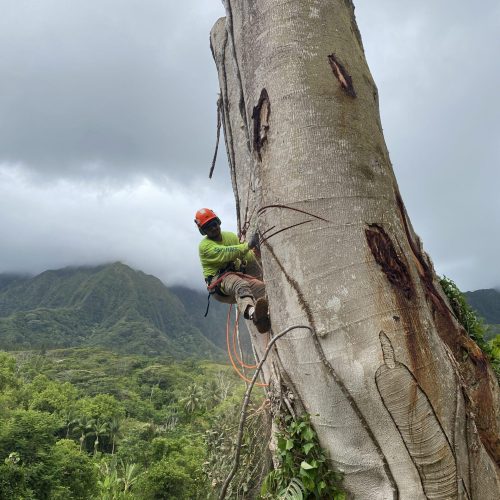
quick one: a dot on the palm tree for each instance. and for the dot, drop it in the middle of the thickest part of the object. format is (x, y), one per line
(109, 483)
(83, 425)
(193, 399)
(212, 394)
(131, 473)
(115, 432)
(70, 420)
(99, 428)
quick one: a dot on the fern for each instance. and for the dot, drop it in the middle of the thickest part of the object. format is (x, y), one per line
(294, 491)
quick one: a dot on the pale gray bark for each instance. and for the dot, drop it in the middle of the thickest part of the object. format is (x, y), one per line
(398, 407)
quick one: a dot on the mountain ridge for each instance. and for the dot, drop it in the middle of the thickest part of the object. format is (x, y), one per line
(111, 306)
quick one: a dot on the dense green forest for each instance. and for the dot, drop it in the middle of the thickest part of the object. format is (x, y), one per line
(86, 424)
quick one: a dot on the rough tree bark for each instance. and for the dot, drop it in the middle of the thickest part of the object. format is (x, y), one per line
(403, 401)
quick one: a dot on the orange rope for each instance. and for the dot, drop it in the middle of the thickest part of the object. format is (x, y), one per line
(231, 357)
(235, 351)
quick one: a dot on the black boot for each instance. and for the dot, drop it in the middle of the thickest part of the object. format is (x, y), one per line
(260, 316)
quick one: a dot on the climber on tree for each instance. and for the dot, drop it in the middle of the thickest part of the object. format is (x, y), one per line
(226, 263)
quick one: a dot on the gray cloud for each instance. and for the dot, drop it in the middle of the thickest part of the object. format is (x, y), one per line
(107, 127)
(107, 87)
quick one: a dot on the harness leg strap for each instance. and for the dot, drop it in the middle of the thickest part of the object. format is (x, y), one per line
(208, 305)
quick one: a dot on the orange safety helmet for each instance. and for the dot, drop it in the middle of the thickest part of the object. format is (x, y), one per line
(203, 216)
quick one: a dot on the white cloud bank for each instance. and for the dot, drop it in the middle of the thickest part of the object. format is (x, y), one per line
(142, 224)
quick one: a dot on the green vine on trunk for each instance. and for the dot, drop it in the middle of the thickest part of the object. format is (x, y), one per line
(304, 472)
(474, 325)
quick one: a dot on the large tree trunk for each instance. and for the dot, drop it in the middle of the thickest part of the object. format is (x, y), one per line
(403, 401)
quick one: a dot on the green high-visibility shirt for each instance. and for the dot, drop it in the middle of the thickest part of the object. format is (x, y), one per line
(216, 255)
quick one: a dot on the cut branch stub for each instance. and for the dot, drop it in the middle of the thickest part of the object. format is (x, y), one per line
(386, 257)
(260, 116)
(342, 75)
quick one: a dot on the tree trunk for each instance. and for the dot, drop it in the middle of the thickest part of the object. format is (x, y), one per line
(403, 401)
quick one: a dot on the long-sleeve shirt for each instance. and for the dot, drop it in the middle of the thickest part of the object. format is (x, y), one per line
(216, 255)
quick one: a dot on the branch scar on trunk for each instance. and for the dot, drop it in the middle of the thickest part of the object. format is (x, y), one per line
(260, 117)
(418, 425)
(342, 75)
(386, 257)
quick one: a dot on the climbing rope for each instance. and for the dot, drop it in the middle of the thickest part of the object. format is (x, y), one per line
(228, 344)
(235, 351)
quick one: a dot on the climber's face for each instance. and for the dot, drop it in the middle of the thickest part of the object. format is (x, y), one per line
(212, 230)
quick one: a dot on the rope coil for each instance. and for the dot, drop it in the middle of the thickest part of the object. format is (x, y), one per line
(229, 349)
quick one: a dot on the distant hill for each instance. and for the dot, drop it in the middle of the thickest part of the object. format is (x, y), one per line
(487, 305)
(110, 306)
(8, 278)
(195, 305)
(214, 325)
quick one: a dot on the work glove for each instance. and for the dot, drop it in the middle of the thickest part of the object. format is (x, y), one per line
(254, 241)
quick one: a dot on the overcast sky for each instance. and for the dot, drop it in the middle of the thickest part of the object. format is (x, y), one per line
(107, 127)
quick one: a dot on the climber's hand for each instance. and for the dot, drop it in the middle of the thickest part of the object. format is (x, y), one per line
(253, 242)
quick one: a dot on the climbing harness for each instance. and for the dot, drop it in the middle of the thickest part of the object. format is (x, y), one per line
(213, 286)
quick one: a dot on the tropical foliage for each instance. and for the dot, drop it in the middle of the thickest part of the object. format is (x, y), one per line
(86, 424)
(473, 324)
(304, 471)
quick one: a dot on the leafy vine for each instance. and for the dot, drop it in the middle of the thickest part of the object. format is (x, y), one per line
(304, 472)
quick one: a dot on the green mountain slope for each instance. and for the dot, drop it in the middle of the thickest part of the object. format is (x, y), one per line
(214, 325)
(7, 279)
(195, 304)
(486, 303)
(110, 306)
